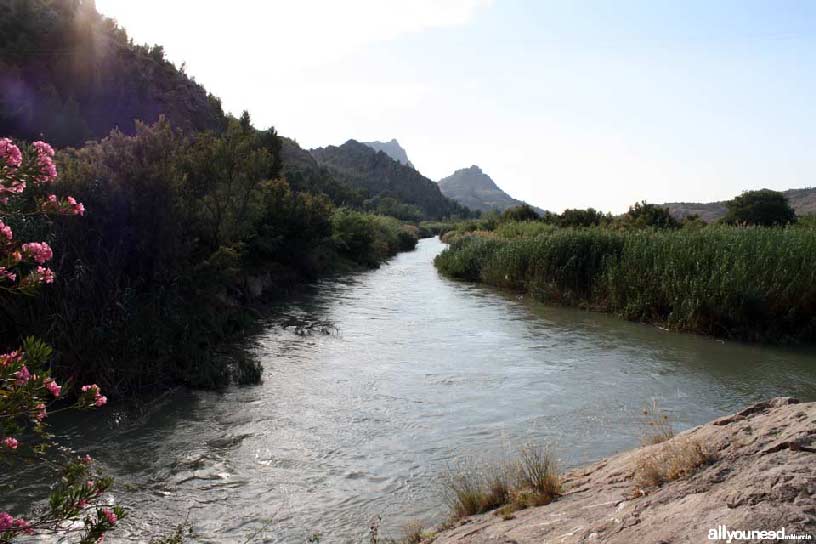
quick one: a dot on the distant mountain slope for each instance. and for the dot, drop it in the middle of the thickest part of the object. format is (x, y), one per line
(473, 188)
(303, 173)
(393, 149)
(361, 167)
(69, 74)
(803, 202)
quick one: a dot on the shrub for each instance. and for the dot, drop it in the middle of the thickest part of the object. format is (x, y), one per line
(669, 461)
(763, 208)
(531, 479)
(27, 388)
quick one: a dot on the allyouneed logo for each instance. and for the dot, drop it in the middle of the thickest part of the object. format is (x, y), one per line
(722, 532)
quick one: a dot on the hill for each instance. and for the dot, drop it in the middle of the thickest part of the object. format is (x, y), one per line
(361, 167)
(803, 202)
(393, 149)
(68, 74)
(473, 188)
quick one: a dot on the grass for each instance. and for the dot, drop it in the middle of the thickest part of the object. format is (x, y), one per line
(669, 461)
(753, 283)
(532, 479)
(657, 426)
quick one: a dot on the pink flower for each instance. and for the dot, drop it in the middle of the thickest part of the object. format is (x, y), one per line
(76, 207)
(10, 442)
(41, 412)
(24, 526)
(10, 153)
(9, 358)
(48, 170)
(43, 149)
(45, 274)
(5, 231)
(87, 460)
(39, 251)
(93, 387)
(89, 484)
(6, 520)
(82, 503)
(23, 375)
(110, 516)
(100, 401)
(52, 387)
(6, 274)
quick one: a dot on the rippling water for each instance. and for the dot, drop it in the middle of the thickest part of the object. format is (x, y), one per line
(421, 372)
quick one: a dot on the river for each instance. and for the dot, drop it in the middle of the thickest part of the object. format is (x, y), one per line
(421, 373)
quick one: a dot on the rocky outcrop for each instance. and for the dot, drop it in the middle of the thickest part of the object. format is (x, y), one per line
(393, 149)
(473, 188)
(761, 476)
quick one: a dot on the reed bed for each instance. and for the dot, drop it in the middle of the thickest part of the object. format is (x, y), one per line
(747, 283)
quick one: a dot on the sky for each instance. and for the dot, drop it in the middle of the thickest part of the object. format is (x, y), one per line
(568, 104)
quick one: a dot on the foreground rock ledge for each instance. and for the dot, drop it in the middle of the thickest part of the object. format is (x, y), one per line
(763, 477)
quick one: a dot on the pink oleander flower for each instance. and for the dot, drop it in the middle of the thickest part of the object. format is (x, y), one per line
(90, 484)
(110, 516)
(52, 387)
(10, 153)
(22, 525)
(41, 412)
(39, 251)
(86, 388)
(45, 154)
(11, 443)
(82, 503)
(23, 375)
(5, 231)
(7, 274)
(77, 208)
(100, 401)
(87, 460)
(6, 521)
(9, 358)
(45, 275)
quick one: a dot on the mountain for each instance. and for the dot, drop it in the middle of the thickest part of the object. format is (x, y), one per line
(473, 188)
(393, 149)
(68, 74)
(304, 174)
(803, 202)
(361, 167)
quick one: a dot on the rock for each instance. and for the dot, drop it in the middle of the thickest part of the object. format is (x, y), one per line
(762, 476)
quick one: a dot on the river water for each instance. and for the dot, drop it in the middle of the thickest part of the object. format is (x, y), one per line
(420, 373)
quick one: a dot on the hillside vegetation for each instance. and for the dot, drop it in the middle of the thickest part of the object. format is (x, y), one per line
(68, 74)
(360, 167)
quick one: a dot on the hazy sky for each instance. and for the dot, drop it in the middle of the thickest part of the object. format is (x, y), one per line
(565, 104)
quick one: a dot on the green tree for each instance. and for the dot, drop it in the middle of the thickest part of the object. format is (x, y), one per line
(764, 208)
(642, 215)
(525, 212)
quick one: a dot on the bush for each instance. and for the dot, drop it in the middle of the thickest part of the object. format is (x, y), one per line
(532, 479)
(760, 208)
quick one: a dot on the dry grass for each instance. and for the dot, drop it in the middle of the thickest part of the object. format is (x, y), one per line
(673, 460)
(530, 480)
(657, 427)
(412, 533)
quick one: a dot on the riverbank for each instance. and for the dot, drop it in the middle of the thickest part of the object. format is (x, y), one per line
(754, 284)
(759, 474)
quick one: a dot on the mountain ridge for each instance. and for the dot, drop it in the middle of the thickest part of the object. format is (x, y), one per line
(473, 188)
(803, 202)
(393, 149)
